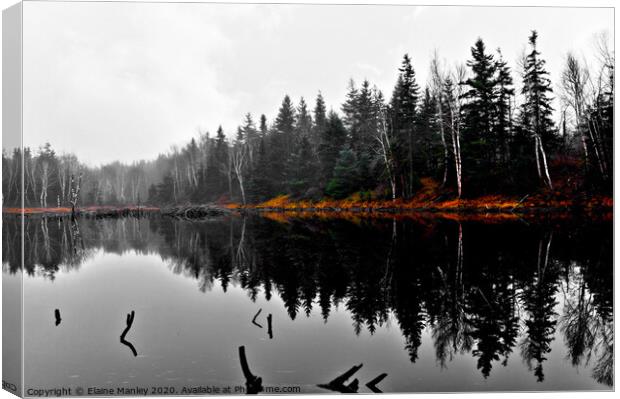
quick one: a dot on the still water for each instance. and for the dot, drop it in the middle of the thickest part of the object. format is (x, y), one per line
(437, 305)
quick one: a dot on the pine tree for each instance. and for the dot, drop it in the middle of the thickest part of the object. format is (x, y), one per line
(303, 167)
(333, 139)
(320, 121)
(285, 123)
(350, 111)
(345, 180)
(263, 126)
(304, 120)
(536, 111)
(479, 143)
(367, 119)
(504, 95)
(403, 115)
(259, 183)
(281, 145)
(216, 174)
(427, 140)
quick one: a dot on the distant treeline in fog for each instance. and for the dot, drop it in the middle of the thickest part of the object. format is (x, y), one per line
(477, 128)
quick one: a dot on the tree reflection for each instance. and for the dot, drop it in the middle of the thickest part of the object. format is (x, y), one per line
(472, 285)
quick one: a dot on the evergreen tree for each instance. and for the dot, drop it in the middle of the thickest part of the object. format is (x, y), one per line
(504, 95)
(281, 145)
(259, 183)
(263, 126)
(304, 120)
(536, 111)
(285, 124)
(479, 143)
(304, 171)
(427, 140)
(333, 139)
(350, 111)
(403, 115)
(345, 180)
(320, 121)
(367, 119)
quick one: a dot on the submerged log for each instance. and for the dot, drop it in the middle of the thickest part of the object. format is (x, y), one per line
(255, 316)
(57, 316)
(338, 383)
(269, 326)
(372, 384)
(253, 384)
(195, 211)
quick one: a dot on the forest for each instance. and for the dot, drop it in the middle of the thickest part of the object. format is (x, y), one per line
(475, 129)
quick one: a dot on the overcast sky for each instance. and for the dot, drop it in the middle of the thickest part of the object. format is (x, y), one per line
(125, 81)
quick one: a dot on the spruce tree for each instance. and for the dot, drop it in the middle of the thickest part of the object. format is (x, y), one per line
(504, 100)
(303, 167)
(281, 145)
(333, 139)
(367, 119)
(304, 120)
(427, 140)
(320, 121)
(536, 111)
(350, 111)
(345, 179)
(479, 143)
(263, 126)
(403, 115)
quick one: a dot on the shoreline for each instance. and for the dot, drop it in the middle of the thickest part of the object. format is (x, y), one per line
(485, 208)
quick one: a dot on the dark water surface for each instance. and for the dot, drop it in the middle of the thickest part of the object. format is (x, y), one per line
(438, 305)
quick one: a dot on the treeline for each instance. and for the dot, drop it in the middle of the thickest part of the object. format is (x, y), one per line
(52, 180)
(470, 127)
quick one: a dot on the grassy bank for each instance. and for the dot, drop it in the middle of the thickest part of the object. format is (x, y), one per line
(430, 198)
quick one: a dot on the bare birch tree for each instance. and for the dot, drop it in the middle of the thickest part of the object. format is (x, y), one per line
(385, 148)
(453, 95)
(238, 156)
(573, 85)
(438, 79)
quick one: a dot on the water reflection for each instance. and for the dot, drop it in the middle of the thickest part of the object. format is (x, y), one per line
(493, 291)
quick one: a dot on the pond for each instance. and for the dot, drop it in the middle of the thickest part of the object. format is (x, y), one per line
(436, 304)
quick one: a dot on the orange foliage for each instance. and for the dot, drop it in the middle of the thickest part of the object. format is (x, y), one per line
(431, 198)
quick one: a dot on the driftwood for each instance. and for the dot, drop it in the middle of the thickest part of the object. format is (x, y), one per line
(338, 383)
(255, 316)
(195, 211)
(253, 384)
(372, 384)
(130, 318)
(57, 316)
(269, 327)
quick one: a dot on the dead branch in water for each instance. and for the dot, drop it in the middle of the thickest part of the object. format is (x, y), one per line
(372, 384)
(253, 384)
(254, 318)
(130, 318)
(269, 329)
(337, 384)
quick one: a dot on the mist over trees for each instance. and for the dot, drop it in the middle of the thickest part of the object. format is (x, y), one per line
(478, 128)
